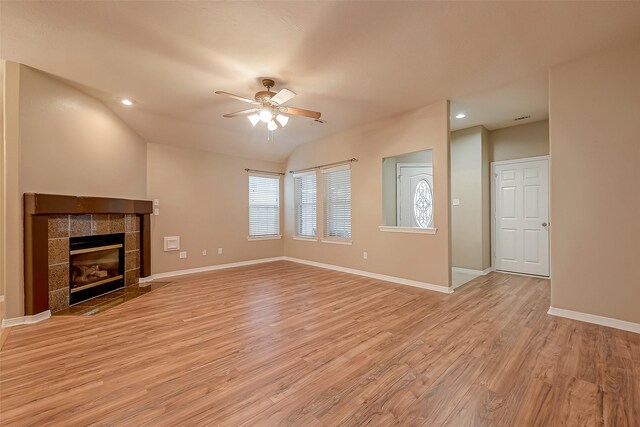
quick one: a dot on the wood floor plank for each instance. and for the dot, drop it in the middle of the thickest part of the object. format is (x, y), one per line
(287, 344)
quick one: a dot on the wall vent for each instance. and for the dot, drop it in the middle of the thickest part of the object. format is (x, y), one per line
(521, 118)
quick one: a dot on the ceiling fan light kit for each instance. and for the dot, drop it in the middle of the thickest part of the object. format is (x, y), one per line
(266, 115)
(254, 119)
(283, 120)
(268, 107)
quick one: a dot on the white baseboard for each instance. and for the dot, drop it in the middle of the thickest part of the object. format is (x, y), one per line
(598, 320)
(398, 280)
(26, 320)
(207, 268)
(470, 271)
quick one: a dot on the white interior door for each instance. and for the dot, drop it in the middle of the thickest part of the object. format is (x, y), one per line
(521, 213)
(415, 195)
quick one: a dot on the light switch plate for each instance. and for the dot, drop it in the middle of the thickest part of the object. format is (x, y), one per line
(156, 211)
(183, 254)
(456, 202)
(171, 243)
(156, 202)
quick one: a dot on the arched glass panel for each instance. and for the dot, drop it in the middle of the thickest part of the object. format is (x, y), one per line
(423, 204)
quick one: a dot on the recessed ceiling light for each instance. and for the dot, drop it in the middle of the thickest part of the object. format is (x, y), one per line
(127, 102)
(461, 116)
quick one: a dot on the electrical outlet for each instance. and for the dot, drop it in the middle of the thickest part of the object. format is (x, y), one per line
(156, 211)
(183, 254)
(204, 252)
(365, 255)
(219, 251)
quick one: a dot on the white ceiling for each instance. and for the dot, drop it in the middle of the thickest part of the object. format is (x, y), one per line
(353, 61)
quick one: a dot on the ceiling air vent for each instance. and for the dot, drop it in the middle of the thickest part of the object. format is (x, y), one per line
(318, 122)
(521, 118)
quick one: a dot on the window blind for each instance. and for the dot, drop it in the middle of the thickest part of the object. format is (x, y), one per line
(337, 202)
(264, 206)
(304, 187)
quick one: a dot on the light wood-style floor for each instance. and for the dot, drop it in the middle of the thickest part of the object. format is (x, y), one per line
(287, 344)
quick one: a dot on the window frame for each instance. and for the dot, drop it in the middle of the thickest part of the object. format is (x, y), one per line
(256, 237)
(326, 238)
(298, 204)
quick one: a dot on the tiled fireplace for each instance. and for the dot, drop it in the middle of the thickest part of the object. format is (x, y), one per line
(64, 229)
(80, 247)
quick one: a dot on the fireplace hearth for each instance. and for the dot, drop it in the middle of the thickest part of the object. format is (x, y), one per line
(96, 266)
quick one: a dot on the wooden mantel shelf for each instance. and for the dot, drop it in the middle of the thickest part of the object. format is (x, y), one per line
(54, 204)
(38, 208)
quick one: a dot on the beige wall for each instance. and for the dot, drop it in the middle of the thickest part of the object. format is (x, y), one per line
(518, 142)
(61, 141)
(595, 202)
(2, 203)
(470, 232)
(418, 257)
(486, 199)
(12, 218)
(204, 200)
(71, 143)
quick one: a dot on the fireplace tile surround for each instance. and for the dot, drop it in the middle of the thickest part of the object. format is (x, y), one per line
(62, 227)
(51, 220)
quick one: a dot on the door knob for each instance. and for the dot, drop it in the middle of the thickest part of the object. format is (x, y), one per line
(544, 224)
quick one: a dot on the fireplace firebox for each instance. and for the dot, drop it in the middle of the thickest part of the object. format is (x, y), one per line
(96, 266)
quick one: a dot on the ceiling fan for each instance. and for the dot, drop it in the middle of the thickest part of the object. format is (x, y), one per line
(268, 108)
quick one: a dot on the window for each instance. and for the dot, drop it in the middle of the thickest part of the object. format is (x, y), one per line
(304, 188)
(337, 203)
(423, 204)
(264, 206)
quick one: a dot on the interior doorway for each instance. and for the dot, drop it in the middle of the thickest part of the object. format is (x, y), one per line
(520, 215)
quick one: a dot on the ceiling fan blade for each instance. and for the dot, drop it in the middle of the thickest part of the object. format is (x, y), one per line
(300, 112)
(242, 113)
(283, 96)
(239, 98)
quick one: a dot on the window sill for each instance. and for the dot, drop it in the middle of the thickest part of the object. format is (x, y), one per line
(414, 230)
(305, 239)
(255, 238)
(337, 242)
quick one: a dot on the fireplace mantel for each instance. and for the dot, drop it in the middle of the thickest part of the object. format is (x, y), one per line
(42, 209)
(53, 204)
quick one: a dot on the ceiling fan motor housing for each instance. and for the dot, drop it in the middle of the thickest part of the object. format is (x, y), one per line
(264, 96)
